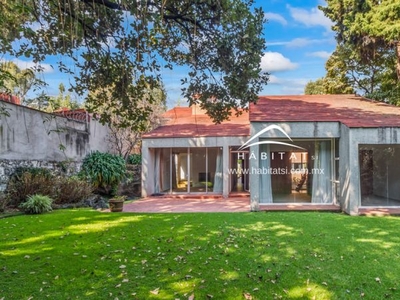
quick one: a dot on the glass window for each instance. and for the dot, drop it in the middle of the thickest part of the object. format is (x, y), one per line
(293, 175)
(379, 175)
(188, 170)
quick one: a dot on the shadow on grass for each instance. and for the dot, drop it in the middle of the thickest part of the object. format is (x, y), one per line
(87, 254)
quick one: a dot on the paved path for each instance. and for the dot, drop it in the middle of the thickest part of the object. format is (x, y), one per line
(163, 204)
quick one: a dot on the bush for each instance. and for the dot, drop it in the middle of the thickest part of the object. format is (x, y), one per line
(3, 202)
(37, 204)
(135, 159)
(103, 170)
(71, 190)
(31, 181)
(27, 182)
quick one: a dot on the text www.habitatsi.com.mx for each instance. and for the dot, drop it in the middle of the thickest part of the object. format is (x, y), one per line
(275, 171)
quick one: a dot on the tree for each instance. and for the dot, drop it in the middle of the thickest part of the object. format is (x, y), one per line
(367, 26)
(122, 46)
(124, 139)
(16, 81)
(367, 52)
(315, 87)
(63, 100)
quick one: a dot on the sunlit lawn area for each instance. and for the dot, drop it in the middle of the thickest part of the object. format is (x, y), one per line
(85, 254)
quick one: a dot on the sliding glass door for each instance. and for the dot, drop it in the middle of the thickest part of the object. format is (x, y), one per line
(301, 174)
(188, 170)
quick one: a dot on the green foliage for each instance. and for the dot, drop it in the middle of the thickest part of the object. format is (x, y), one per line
(3, 202)
(32, 170)
(63, 100)
(69, 190)
(135, 159)
(220, 41)
(103, 170)
(16, 81)
(367, 56)
(29, 181)
(315, 87)
(276, 255)
(37, 204)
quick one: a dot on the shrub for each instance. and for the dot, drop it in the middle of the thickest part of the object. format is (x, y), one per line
(27, 182)
(71, 190)
(37, 204)
(103, 170)
(30, 181)
(135, 159)
(3, 202)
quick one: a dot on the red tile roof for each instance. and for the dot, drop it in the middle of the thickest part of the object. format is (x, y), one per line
(10, 98)
(351, 110)
(189, 122)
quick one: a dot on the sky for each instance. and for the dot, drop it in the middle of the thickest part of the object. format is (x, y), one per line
(299, 41)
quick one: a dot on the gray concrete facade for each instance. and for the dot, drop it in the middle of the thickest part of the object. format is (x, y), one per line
(148, 156)
(345, 160)
(351, 139)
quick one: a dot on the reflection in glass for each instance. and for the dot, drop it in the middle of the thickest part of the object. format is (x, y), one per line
(379, 175)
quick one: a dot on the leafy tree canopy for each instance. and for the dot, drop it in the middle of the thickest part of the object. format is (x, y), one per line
(16, 81)
(122, 46)
(366, 25)
(367, 55)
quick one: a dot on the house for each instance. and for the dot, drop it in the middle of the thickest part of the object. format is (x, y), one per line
(308, 150)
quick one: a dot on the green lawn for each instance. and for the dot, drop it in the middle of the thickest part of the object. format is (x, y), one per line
(85, 254)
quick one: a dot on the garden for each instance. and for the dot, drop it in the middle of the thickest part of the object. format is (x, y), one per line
(88, 254)
(54, 245)
(102, 178)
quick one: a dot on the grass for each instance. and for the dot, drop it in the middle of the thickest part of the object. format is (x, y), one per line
(85, 254)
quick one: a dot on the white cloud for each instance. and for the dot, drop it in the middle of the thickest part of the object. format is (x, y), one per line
(320, 54)
(274, 80)
(299, 42)
(310, 18)
(22, 64)
(275, 17)
(276, 62)
(284, 86)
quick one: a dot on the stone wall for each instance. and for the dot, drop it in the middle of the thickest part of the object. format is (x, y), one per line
(8, 167)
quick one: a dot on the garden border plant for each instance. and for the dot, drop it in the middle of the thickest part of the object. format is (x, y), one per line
(26, 182)
(104, 171)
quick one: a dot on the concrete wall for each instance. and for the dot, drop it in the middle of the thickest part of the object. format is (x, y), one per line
(148, 156)
(347, 171)
(29, 134)
(349, 160)
(349, 190)
(33, 138)
(298, 129)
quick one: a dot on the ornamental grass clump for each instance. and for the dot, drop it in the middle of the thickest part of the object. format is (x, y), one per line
(37, 204)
